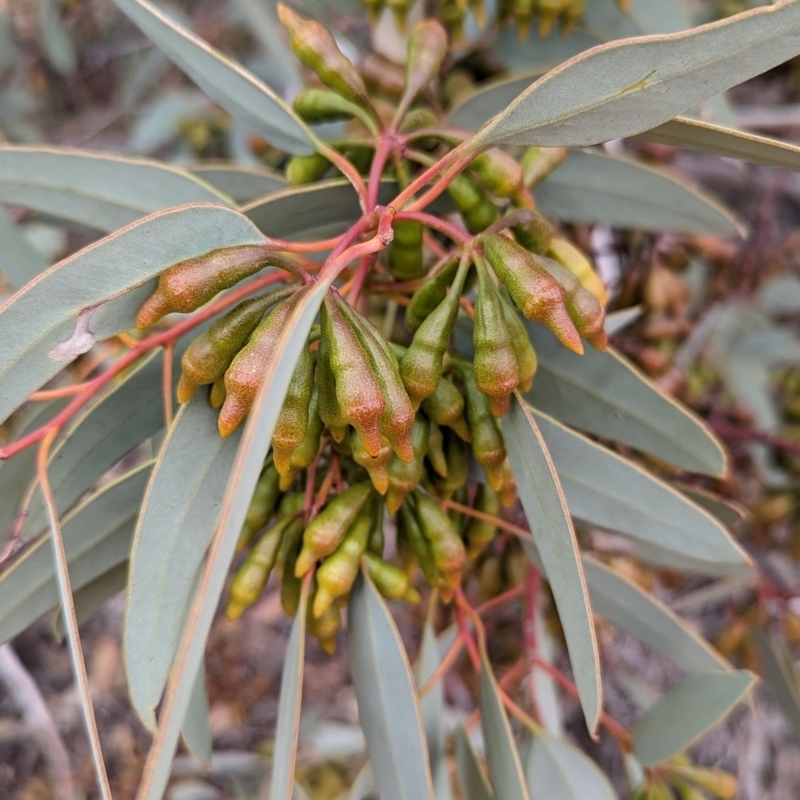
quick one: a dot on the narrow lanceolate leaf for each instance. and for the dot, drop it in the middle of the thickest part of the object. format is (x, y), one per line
(89, 599)
(196, 727)
(240, 182)
(705, 137)
(647, 619)
(623, 88)
(471, 775)
(238, 91)
(97, 537)
(387, 702)
(283, 759)
(683, 715)
(548, 517)
(174, 530)
(605, 394)
(778, 670)
(604, 18)
(99, 190)
(535, 51)
(608, 190)
(617, 321)
(246, 469)
(555, 768)
(609, 491)
(19, 259)
(80, 301)
(505, 769)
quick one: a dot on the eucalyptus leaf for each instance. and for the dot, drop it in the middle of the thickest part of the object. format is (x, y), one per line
(387, 703)
(58, 45)
(617, 321)
(240, 182)
(100, 190)
(505, 768)
(600, 189)
(80, 301)
(92, 597)
(627, 87)
(548, 517)
(606, 490)
(778, 670)
(602, 393)
(471, 775)
(291, 694)
(175, 527)
(555, 768)
(19, 259)
(604, 18)
(683, 715)
(97, 537)
(234, 88)
(196, 729)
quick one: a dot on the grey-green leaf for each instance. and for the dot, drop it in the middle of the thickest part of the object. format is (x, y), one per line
(97, 537)
(607, 490)
(240, 182)
(387, 702)
(80, 301)
(627, 87)
(548, 517)
(175, 527)
(471, 775)
(505, 769)
(19, 259)
(609, 190)
(602, 393)
(778, 670)
(683, 715)
(556, 769)
(100, 190)
(224, 81)
(196, 729)
(291, 694)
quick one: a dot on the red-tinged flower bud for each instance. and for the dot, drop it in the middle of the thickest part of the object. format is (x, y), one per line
(305, 453)
(508, 489)
(329, 411)
(326, 531)
(495, 363)
(246, 372)
(523, 349)
(538, 162)
(358, 391)
(292, 425)
(186, 286)
(532, 286)
(499, 172)
(446, 407)
(487, 441)
(427, 47)
(211, 353)
(317, 49)
(405, 477)
(376, 466)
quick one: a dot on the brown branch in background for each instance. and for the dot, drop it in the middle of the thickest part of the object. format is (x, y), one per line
(751, 435)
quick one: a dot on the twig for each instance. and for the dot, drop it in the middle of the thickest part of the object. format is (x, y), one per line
(751, 435)
(166, 383)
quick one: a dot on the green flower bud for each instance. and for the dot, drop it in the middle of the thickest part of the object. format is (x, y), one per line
(358, 390)
(329, 410)
(495, 364)
(246, 372)
(538, 162)
(532, 286)
(487, 441)
(408, 528)
(292, 425)
(461, 495)
(405, 251)
(436, 450)
(400, 10)
(218, 393)
(421, 365)
(326, 627)
(377, 537)
(522, 12)
(499, 172)
(549, 11)
(262, 505)
(427, 48)
(457, 455)
(405, 477)
(322, 105)
(326, 531)
(480, 532)
(576, 261)
(186, 286)
(377, 466)
(658, 790)
(523, 349)
(429, 296)
(416, 119)
(446, 407)
(390, 580)
(446, 546)
(301, 170)
(317, 49)
(571, 15)
(535, 234)
(291, 586)
(715, 781)
(374, 8)
(251, 578)
(305, 453)
(451, 15)
(211, 353)
(477, 210)
(338, 571)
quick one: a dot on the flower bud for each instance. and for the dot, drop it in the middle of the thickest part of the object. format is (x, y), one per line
(457, 456)
(211, 353)
(246, 372)
(549, 11)
(715, 781)
(575, 260)
(262, 505)
(292, 425)
(358, 390)
(427, 48)
(377, 537)
(405, 477)
(409, 530)
(477, 210)
(521, 344)
(400, 10)
(451, 15)
(250, 579)
(405, 251)
(446, 547)
(538, 162)
(532, 287)
(421, 365)
(416, 119)
(436, 450)
(571, 15)
(329, 410)
(305, 453)
(326, 627)
(186, 286)
(376, 466)
(446, 407)
(430, 295)
(480, 532)
(218, 393)
(522, 12)
(322, 105)
(500, 173)
(535, 233)
(314, 45)
(390, 580)
(494, 364)
(487, 441)
(508, 489)
(326, 531)
(306, 169)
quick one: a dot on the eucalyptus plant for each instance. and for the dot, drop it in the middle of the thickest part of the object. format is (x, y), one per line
(384, 379)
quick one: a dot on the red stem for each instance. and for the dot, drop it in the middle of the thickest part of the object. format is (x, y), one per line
(382, 153)
(437, 224)
(452, 158)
